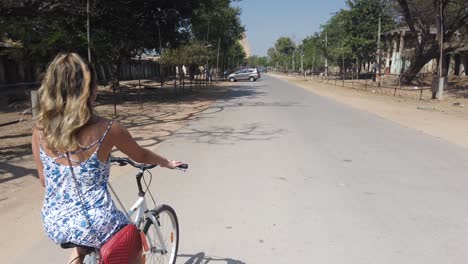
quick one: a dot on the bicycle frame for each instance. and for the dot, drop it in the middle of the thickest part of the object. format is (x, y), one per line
(142, 213)
(140, 210)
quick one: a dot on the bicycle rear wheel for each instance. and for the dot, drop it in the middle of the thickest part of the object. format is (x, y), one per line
(167, 223)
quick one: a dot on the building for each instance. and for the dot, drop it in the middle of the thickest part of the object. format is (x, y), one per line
(400, 47)
(245, 44)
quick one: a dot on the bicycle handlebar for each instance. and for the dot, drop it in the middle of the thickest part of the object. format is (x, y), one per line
(125, 161)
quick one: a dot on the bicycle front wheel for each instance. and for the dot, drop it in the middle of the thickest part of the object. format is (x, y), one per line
(168, 227)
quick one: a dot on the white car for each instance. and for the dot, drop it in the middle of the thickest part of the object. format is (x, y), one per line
(251, 74)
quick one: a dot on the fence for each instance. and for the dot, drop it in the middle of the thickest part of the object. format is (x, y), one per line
(392, 83)
(15, 93)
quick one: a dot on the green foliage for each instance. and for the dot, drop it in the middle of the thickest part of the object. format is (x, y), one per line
(281, 54)
(350, 35)
(190, 53)
(217, 24)
(257, 61)
(41, 34)
(119, 29)
(236, 52)
(186, 32)
(285, 46)
(314, 55)
(338, 46)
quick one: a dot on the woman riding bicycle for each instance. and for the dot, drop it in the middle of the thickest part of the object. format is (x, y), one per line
(69, 135)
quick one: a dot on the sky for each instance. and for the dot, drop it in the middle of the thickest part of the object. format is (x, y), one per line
(267, 20)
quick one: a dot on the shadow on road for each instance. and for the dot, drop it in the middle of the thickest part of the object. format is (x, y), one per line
(202, 258)
(161, 110)
(9, 172)
(132, 96)
(226, 135)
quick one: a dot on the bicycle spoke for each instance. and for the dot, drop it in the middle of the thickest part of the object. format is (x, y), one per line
(167, 225)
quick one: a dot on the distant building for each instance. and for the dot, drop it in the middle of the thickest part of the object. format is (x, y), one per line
(245, 44)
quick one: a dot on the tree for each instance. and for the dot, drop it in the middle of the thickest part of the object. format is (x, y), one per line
(237, 54)
(282, 52)
(120, 29)
(339, 49)
(313, 52)
(273, 57)
(421, 16)
(125, 29)
(362, 26)
(285, 46)
(192, 54)
(43, 28)
(257, 61)
(217, 23)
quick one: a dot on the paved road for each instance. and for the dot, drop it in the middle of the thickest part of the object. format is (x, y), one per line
(280, 175)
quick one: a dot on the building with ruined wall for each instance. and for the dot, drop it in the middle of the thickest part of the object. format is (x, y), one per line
(400, 45)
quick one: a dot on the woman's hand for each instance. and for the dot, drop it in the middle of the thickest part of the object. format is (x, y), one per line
(172, 164)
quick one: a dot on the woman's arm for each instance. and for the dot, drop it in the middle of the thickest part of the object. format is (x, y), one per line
(35, 149)
(124, 142)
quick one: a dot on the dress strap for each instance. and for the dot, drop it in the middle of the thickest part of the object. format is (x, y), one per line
(62, 156)
(97, 142)
(105, 133)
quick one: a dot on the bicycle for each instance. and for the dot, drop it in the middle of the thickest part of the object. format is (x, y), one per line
(151, 222)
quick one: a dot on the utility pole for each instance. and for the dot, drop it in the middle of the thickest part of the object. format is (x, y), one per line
(357, 68)
(326, 53)
(343, 57)
(208, 53)
(313, 61)
(217, 58)
(302, 62)
(440, 89)
(293, 66)
(378, 45)
(160, 57)
(87, 31)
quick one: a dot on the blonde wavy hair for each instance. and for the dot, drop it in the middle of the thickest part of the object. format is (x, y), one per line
(65, 101)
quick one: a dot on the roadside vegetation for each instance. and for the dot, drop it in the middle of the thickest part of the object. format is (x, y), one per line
(349, 39)
(193, 33)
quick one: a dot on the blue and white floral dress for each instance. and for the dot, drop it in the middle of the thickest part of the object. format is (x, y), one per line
(65, 218)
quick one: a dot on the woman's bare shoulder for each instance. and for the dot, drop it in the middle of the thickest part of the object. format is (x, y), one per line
(103, 122)
(116, 127)
(35, 132)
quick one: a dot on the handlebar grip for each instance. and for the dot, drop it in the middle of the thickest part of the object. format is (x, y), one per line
(183, 166)
(122, 163)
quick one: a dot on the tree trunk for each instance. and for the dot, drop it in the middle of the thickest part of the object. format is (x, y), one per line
(416, 65)
(192, 69)
(115, 74)
(422, 57)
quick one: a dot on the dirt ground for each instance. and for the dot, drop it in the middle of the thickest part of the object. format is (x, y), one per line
(160, 114)
(446, 119)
